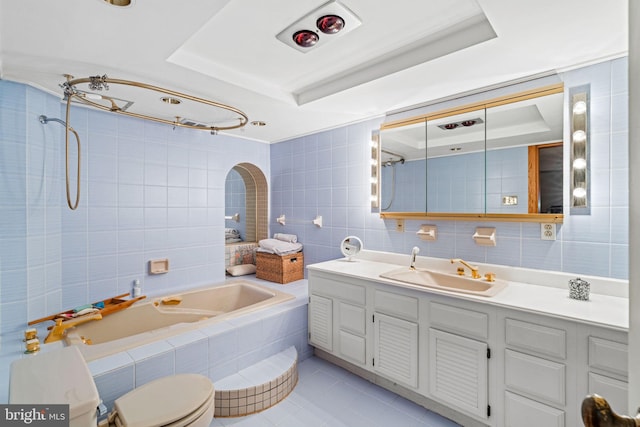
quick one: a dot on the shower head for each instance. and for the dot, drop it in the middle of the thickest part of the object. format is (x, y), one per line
(392, 162)
(44, 120)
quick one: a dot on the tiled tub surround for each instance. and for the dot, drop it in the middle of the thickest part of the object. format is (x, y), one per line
(150, 320)
(218, 350)
(259, 386)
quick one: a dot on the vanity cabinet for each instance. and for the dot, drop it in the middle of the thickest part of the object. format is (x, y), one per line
(395, 331)
(458, 357)
(337, 319)
(321, 322)
(539, 376)
(606, 369)
(458, 372)
(396, 349)
(487, 364)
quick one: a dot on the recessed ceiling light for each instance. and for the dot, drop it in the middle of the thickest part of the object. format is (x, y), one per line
(170, 100)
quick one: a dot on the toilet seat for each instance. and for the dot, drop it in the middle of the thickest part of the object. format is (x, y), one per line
(174, 401)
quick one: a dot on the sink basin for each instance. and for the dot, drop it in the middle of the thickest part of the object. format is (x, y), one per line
(447, 282)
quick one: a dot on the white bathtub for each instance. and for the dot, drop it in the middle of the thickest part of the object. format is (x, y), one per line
(150, 320)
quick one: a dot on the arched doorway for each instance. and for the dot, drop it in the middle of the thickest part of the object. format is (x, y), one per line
(246, 209)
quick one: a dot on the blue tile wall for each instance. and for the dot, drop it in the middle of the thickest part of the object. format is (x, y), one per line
(596, 244)
(147, 191)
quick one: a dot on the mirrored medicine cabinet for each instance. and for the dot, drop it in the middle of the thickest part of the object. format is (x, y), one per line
(498, 160)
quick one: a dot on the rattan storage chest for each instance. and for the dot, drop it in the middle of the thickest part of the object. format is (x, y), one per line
(280, 269)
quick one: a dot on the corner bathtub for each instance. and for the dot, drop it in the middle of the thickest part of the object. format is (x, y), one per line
(152, 320)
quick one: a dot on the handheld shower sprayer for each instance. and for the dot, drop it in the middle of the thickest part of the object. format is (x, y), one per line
(414, 253)
(44, 120)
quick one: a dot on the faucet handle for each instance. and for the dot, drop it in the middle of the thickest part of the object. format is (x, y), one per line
(490, 277)
(460, 271)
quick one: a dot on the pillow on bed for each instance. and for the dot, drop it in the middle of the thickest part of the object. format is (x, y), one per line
(241, 270)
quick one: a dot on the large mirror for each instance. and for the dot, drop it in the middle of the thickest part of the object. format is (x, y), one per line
(524, 156)
(403, 169)
(456, 163)
(494, 158)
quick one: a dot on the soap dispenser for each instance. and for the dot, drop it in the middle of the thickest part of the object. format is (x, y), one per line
(136, 288)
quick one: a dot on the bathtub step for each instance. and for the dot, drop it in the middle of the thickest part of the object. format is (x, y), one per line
(257, 387)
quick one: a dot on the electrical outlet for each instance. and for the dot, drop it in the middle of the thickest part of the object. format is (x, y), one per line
(400, 225)
(547, 231)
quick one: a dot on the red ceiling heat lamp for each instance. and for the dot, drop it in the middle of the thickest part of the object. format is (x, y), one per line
(319, 27)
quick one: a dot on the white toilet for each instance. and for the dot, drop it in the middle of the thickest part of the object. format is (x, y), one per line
(62, 377)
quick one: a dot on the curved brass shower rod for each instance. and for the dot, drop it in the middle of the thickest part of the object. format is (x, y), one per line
(103, 82)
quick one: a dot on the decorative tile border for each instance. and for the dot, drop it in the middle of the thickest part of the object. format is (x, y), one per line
(245, 401)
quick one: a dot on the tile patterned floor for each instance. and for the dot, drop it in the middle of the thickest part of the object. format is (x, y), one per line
(329, 396)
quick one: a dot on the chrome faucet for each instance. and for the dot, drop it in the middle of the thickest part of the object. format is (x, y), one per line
(474, 269)
(414, 252)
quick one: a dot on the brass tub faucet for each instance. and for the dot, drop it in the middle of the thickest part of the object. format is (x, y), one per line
(474, 269)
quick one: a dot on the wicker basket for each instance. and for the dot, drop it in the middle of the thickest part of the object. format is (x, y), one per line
(280, 269)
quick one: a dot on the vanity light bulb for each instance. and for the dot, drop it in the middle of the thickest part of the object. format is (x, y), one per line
(579, 136)
(579, 107)
(579, 164)
(374, 162)
(579, 192)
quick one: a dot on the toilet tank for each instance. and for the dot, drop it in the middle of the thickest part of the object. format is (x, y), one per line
(56, 377)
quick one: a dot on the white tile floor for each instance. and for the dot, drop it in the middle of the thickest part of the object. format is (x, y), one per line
(329, 396)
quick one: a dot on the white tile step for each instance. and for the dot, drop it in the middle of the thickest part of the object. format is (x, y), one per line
(262, 372)
(257, 387)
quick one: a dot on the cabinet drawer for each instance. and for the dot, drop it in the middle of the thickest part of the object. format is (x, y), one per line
(454, 319)
(536, 338)
(534, 376)
(352, 318)
(352, 347)
(608, 355)
(615, 391)
(341, 290)
(397, 305)
(522, 412)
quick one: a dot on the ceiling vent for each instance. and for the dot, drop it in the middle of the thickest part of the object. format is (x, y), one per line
(324, 24)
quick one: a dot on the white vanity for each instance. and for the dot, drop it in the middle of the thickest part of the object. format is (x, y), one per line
(524, 357)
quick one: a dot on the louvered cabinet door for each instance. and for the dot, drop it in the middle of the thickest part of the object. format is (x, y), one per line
(396, 349)
(458, 372)
(321, 322)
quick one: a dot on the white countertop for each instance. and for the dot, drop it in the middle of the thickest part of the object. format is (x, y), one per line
(601, 310)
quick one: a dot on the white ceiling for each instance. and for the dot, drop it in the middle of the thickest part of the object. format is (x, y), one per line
(227, 51)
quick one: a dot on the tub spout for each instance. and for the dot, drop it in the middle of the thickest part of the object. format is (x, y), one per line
(57, 331)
